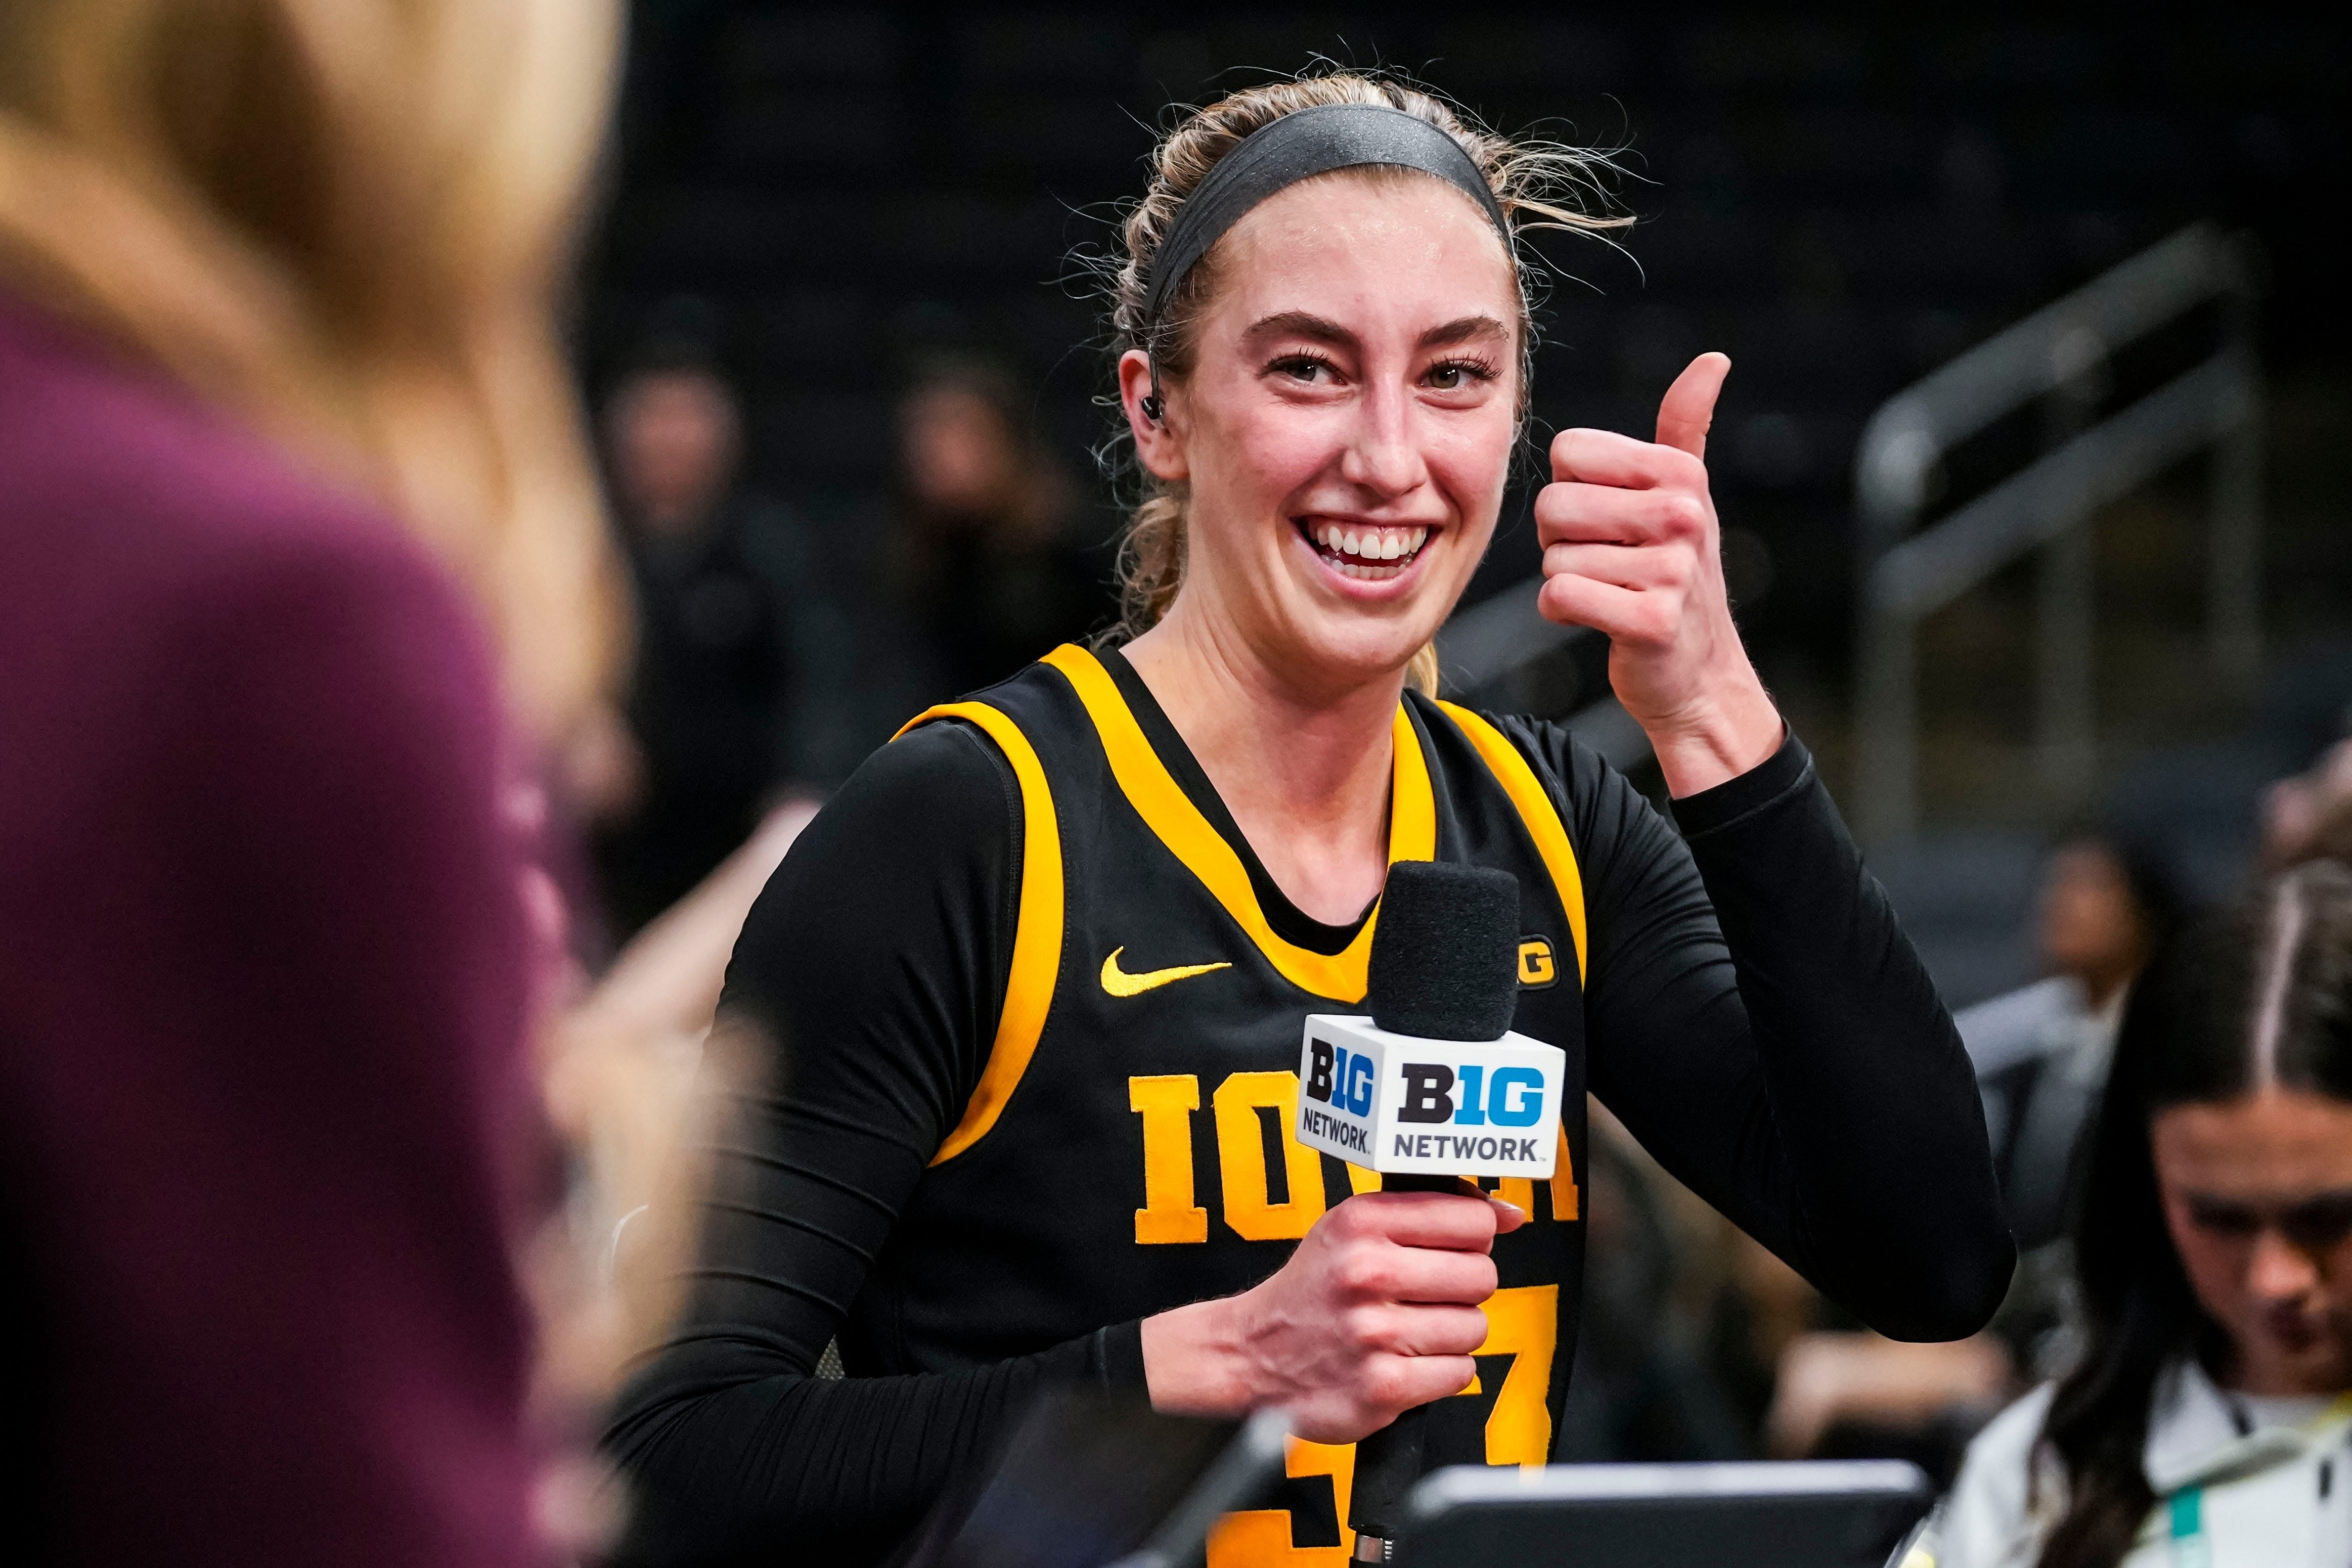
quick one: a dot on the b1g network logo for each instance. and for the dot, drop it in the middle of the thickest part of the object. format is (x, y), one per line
(1395, 1102)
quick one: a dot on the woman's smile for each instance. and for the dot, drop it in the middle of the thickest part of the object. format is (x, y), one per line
(1360, 552)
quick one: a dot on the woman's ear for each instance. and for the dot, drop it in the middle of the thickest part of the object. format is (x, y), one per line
(1150, 419)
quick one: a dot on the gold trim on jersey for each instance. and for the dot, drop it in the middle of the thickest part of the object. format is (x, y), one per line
(1036, 934)
(1537, 810)
(1177, 823)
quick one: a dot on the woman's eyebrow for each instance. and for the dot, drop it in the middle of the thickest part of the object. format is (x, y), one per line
(1301, 324)
(1464, 330)
(2218, 1203)
(2214, 1203)
(1316, 328)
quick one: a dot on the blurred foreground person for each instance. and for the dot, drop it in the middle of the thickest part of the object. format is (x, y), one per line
(282, 426)
(993, 572)
(735, 649)
(2209, 1418)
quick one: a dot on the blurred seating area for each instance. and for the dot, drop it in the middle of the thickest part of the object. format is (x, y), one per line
(850, 241)
(849, 189)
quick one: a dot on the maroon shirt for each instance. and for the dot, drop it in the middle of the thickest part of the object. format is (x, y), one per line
(263, 997)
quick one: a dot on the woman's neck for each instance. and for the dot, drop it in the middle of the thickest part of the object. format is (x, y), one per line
(1305, 772)
(2274, 1377)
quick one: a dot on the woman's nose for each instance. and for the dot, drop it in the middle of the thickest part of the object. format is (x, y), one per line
(1382, 455)
(2279, 1270)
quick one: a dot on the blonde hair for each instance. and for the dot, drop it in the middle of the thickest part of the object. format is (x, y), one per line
(1538, 184)
(345, 223)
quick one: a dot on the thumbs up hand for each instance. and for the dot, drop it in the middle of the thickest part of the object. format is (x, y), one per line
(1632, 549)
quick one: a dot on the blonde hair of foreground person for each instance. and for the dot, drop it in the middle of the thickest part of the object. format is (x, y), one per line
(344, 222)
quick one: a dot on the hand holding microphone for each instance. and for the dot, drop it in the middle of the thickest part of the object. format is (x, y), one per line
(1377, 1311)
(1431, 1087)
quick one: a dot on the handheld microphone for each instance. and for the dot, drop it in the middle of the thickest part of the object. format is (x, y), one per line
(1431, 1087)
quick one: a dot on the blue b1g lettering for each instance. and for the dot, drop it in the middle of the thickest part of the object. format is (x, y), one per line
(1513, 1097)
(1339, 1077)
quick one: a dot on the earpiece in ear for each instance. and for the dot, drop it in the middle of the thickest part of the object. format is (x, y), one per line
(1149, 402)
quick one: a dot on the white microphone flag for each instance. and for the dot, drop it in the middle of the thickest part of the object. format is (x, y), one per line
(1398, 1103)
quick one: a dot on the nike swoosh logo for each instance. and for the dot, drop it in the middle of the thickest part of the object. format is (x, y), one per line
(1120, 983)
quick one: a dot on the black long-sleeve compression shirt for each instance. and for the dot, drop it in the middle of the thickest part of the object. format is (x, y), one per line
(1754, 1015)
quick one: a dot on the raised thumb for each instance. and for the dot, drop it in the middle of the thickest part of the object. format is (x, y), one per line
(1688, 407)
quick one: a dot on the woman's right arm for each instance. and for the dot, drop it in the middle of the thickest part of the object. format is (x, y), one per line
(869, 973)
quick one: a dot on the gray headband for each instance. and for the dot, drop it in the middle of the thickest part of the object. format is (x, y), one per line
(1299, 146)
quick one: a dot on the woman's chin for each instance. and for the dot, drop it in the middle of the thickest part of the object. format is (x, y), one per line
(1351, 629)
(1354, 648)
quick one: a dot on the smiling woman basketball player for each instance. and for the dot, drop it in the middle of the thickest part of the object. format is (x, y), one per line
(1041, 965)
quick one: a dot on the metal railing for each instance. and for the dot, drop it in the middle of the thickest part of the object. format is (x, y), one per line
(2057, 357)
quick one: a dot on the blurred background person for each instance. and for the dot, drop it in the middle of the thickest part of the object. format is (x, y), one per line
(2309, 815)
(991, 564)
(301, 574)
(2105, 903)
(1844, 1393)
(2205, 1418)
(732, 702)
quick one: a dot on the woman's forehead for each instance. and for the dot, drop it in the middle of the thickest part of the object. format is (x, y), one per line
(2281, 1140)
(1376, 242)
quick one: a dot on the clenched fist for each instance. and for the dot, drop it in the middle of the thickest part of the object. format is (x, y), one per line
(1632, 549)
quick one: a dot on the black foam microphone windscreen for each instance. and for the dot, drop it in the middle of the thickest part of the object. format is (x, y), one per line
(1444, 965)
(1445, 961)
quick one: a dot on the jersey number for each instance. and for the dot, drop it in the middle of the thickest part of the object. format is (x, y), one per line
(1523, 1324)
(1170, 1214)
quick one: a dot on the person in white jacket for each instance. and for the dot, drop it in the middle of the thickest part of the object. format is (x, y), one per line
(2208, 1420)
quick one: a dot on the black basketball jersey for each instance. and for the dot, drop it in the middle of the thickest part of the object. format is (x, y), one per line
(1128, 1148)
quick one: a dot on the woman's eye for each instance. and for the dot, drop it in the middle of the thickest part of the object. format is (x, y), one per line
(2319, 1225)
(2222, 1220)
(1303, 369)
(1453, 375)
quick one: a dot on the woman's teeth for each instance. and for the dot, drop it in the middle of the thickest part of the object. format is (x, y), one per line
(1371, 553)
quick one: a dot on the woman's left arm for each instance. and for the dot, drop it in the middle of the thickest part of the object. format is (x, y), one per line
(1759, 1021)
(1755, 1014)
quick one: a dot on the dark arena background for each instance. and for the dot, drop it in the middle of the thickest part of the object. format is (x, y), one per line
(837, 196)
(837, 202)
(481, 478)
